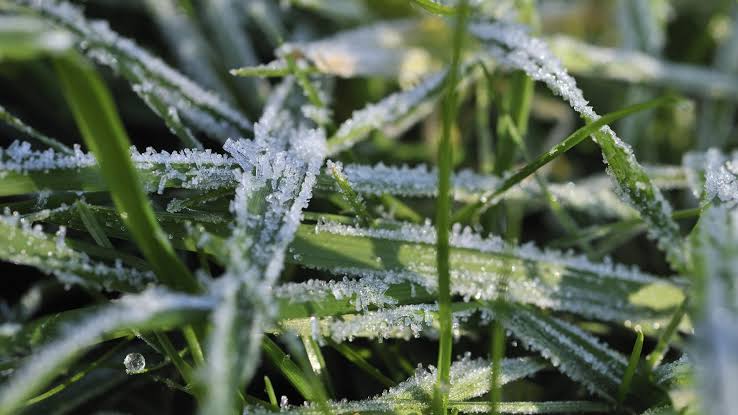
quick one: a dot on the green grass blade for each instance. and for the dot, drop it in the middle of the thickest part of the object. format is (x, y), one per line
(575, 353)
(407, 256)
(93, 227)
(662, 345)
(354, 200)
(270, 392)
(24, 245)
(443, 211)
(358, 360)
(635, 357)
(98, 121)
(714, 249)
(288, 368)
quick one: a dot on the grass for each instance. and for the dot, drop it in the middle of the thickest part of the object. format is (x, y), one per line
(343, 211)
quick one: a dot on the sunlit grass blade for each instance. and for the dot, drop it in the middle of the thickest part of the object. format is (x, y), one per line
(98, 121)
(406, 255)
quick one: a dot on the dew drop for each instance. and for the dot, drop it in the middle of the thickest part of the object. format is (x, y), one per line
(135, 363)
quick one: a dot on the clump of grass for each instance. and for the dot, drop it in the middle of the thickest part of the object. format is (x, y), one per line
(282, 247)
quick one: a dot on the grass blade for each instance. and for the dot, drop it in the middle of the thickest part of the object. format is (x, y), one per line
(443, 212)
(19, 125)
(635, 357)
(98, 121)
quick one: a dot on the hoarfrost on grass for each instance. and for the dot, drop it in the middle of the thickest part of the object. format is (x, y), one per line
(512, 46)
(128, 312)
(204, 109)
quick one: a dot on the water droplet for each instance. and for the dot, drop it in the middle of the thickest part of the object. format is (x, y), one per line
(135, 363)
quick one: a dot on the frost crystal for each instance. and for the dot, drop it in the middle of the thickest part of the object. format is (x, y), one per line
(469, 379)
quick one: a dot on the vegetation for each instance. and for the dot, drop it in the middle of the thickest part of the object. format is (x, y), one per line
(385, 206)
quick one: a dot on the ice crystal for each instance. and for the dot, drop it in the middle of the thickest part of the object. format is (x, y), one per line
(278, 170)
(571, 350)
(486, 267)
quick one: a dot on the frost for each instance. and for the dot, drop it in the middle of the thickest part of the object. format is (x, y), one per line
(593, 195)
(278, 170)
(513, 47)
(189, 169)
(389, 110)
(23, 243)
(570, 350)
(483, 268)
(202, 108)
(403, 322)
(715, 259)
(469, 379)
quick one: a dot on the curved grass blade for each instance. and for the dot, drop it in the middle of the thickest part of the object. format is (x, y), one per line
(19, 125)
(98, 121)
